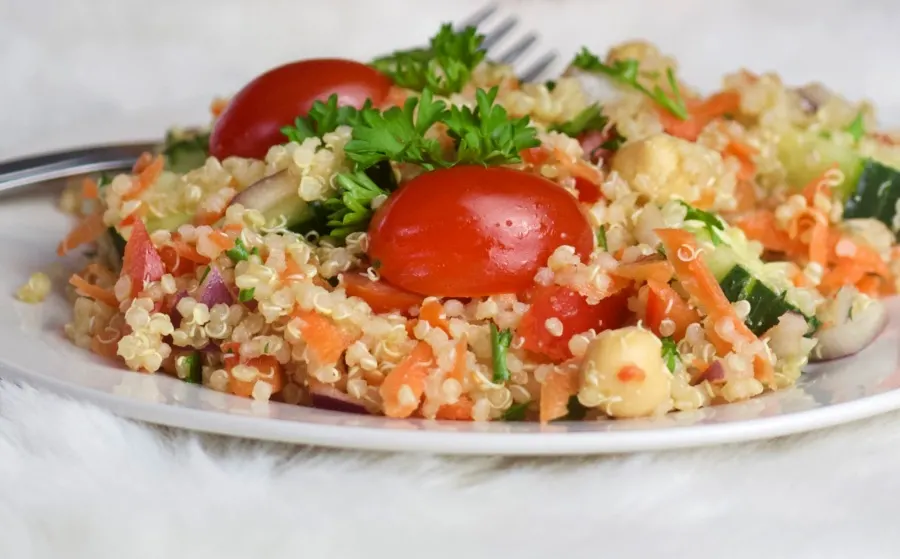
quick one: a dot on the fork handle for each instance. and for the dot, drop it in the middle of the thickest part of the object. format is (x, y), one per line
(30, 170)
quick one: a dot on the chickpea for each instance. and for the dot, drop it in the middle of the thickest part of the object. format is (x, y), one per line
(623, 371)
(663, 167)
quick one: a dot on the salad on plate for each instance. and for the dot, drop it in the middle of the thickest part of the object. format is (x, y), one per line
(425, 235)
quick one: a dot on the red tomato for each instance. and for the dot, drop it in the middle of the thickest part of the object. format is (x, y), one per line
(663, 302)
(140, 261)
(576, 315)
(252, 121)
(381, 296)
(588, 192)
(473, 231)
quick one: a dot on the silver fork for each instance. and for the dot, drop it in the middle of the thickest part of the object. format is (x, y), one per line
(63, 164)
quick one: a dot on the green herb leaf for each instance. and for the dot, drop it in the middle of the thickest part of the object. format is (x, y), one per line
(399, 134)
(254, 251)
(500, 341)
(627, 72)
(712, 222)
(239, 252)
(205, 273)
(516, 412)
(245, 295)
(445, 66)
(351, 210)
(601, 238)
(487, 135)
(185, 150)
(104, 180)
(590, 118)
(857, 128)
(323, 118)
(670, 353)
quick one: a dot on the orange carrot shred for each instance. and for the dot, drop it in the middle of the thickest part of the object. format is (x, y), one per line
(86, 289)
(89, 189)
(86, 231)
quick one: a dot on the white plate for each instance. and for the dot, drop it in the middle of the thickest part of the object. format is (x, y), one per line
(34, 349)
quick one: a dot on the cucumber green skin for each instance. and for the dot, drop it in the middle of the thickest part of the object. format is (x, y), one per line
(876, 194)
(766, 306)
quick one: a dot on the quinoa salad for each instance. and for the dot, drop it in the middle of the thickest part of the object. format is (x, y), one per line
(426, 236)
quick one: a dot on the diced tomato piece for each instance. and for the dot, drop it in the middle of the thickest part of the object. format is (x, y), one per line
(575, 314)
(664, 303)
(381, 296)
(141, 261)
(588, 192)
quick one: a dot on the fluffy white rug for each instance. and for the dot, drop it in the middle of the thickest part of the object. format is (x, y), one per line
(76, 482)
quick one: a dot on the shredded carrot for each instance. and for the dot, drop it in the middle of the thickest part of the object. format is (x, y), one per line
(207, 218)
(459, 411)
(663, 303)
(89, 189)
(86, 231)
(818, 186)
(432, 312)
(404, 386)
(222, 241)
(706, 200)
(745, 196)
(269, 371)
(185, 250)
(218, 106)
(325, 341)
(86, 289)
(744, 153)
(142, 162)
(557, 388)
(700, 114)
(145, 177)
(459, 361)
(683, 252)
(641, 271)
(233, 228)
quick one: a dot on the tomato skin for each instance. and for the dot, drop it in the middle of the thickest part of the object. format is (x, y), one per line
(252, 121)
(576, 315)
(381, 296)
(588, 192)
(140, 261)
(664, 303)
(473, 231)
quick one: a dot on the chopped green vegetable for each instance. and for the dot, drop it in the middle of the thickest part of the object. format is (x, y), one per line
(245, 295)
(516, 412)
(351, 209)
(483, 136)
(550, 85)
(601, 238)
(500, 341)
(186, 149)
(205, 273)
(794, 147)
(323, 118)
(576, 410)
(857, 128)
(591, 118)
(487, 135)
(876, 194)
(627, 72)
(239, 252)
(767, 305)
(194, 368)
(614, 142)
(444, 67)
(713, 224)
(254, 251)
(103, 180)
(670, 353)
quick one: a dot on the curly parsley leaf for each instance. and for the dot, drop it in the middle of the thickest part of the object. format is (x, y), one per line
(711, 222)
(591, 118)
(445, 66)
(670, 353)
(351, 210)
(500, 341)
(323, 118)
(487, 135)
(398, 134)
(238, 252)
(627, 72)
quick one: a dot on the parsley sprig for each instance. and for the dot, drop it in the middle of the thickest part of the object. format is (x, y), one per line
(627, 72)
(591, 118)
(323, 118)
(670, 353)
(713, 224)
(351, 209)
(500, 341)
(444, 67)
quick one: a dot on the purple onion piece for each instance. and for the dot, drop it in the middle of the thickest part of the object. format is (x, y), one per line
(326, 397)
(214, 290)
(715, 373)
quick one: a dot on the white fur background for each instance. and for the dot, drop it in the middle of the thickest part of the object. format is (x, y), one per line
(77, 482)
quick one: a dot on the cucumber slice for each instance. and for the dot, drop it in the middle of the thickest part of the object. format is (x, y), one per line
(186, 150)
(277, 199)
(766, 304)
(806, 155)
(876, 195)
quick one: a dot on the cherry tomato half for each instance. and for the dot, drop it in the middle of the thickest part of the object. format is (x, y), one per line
(472, 231)
(575, 314)
(252, 121)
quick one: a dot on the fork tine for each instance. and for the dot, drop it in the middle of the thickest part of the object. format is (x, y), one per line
(490, 39)
(518, 49)
(538, 67)
(478, 17)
